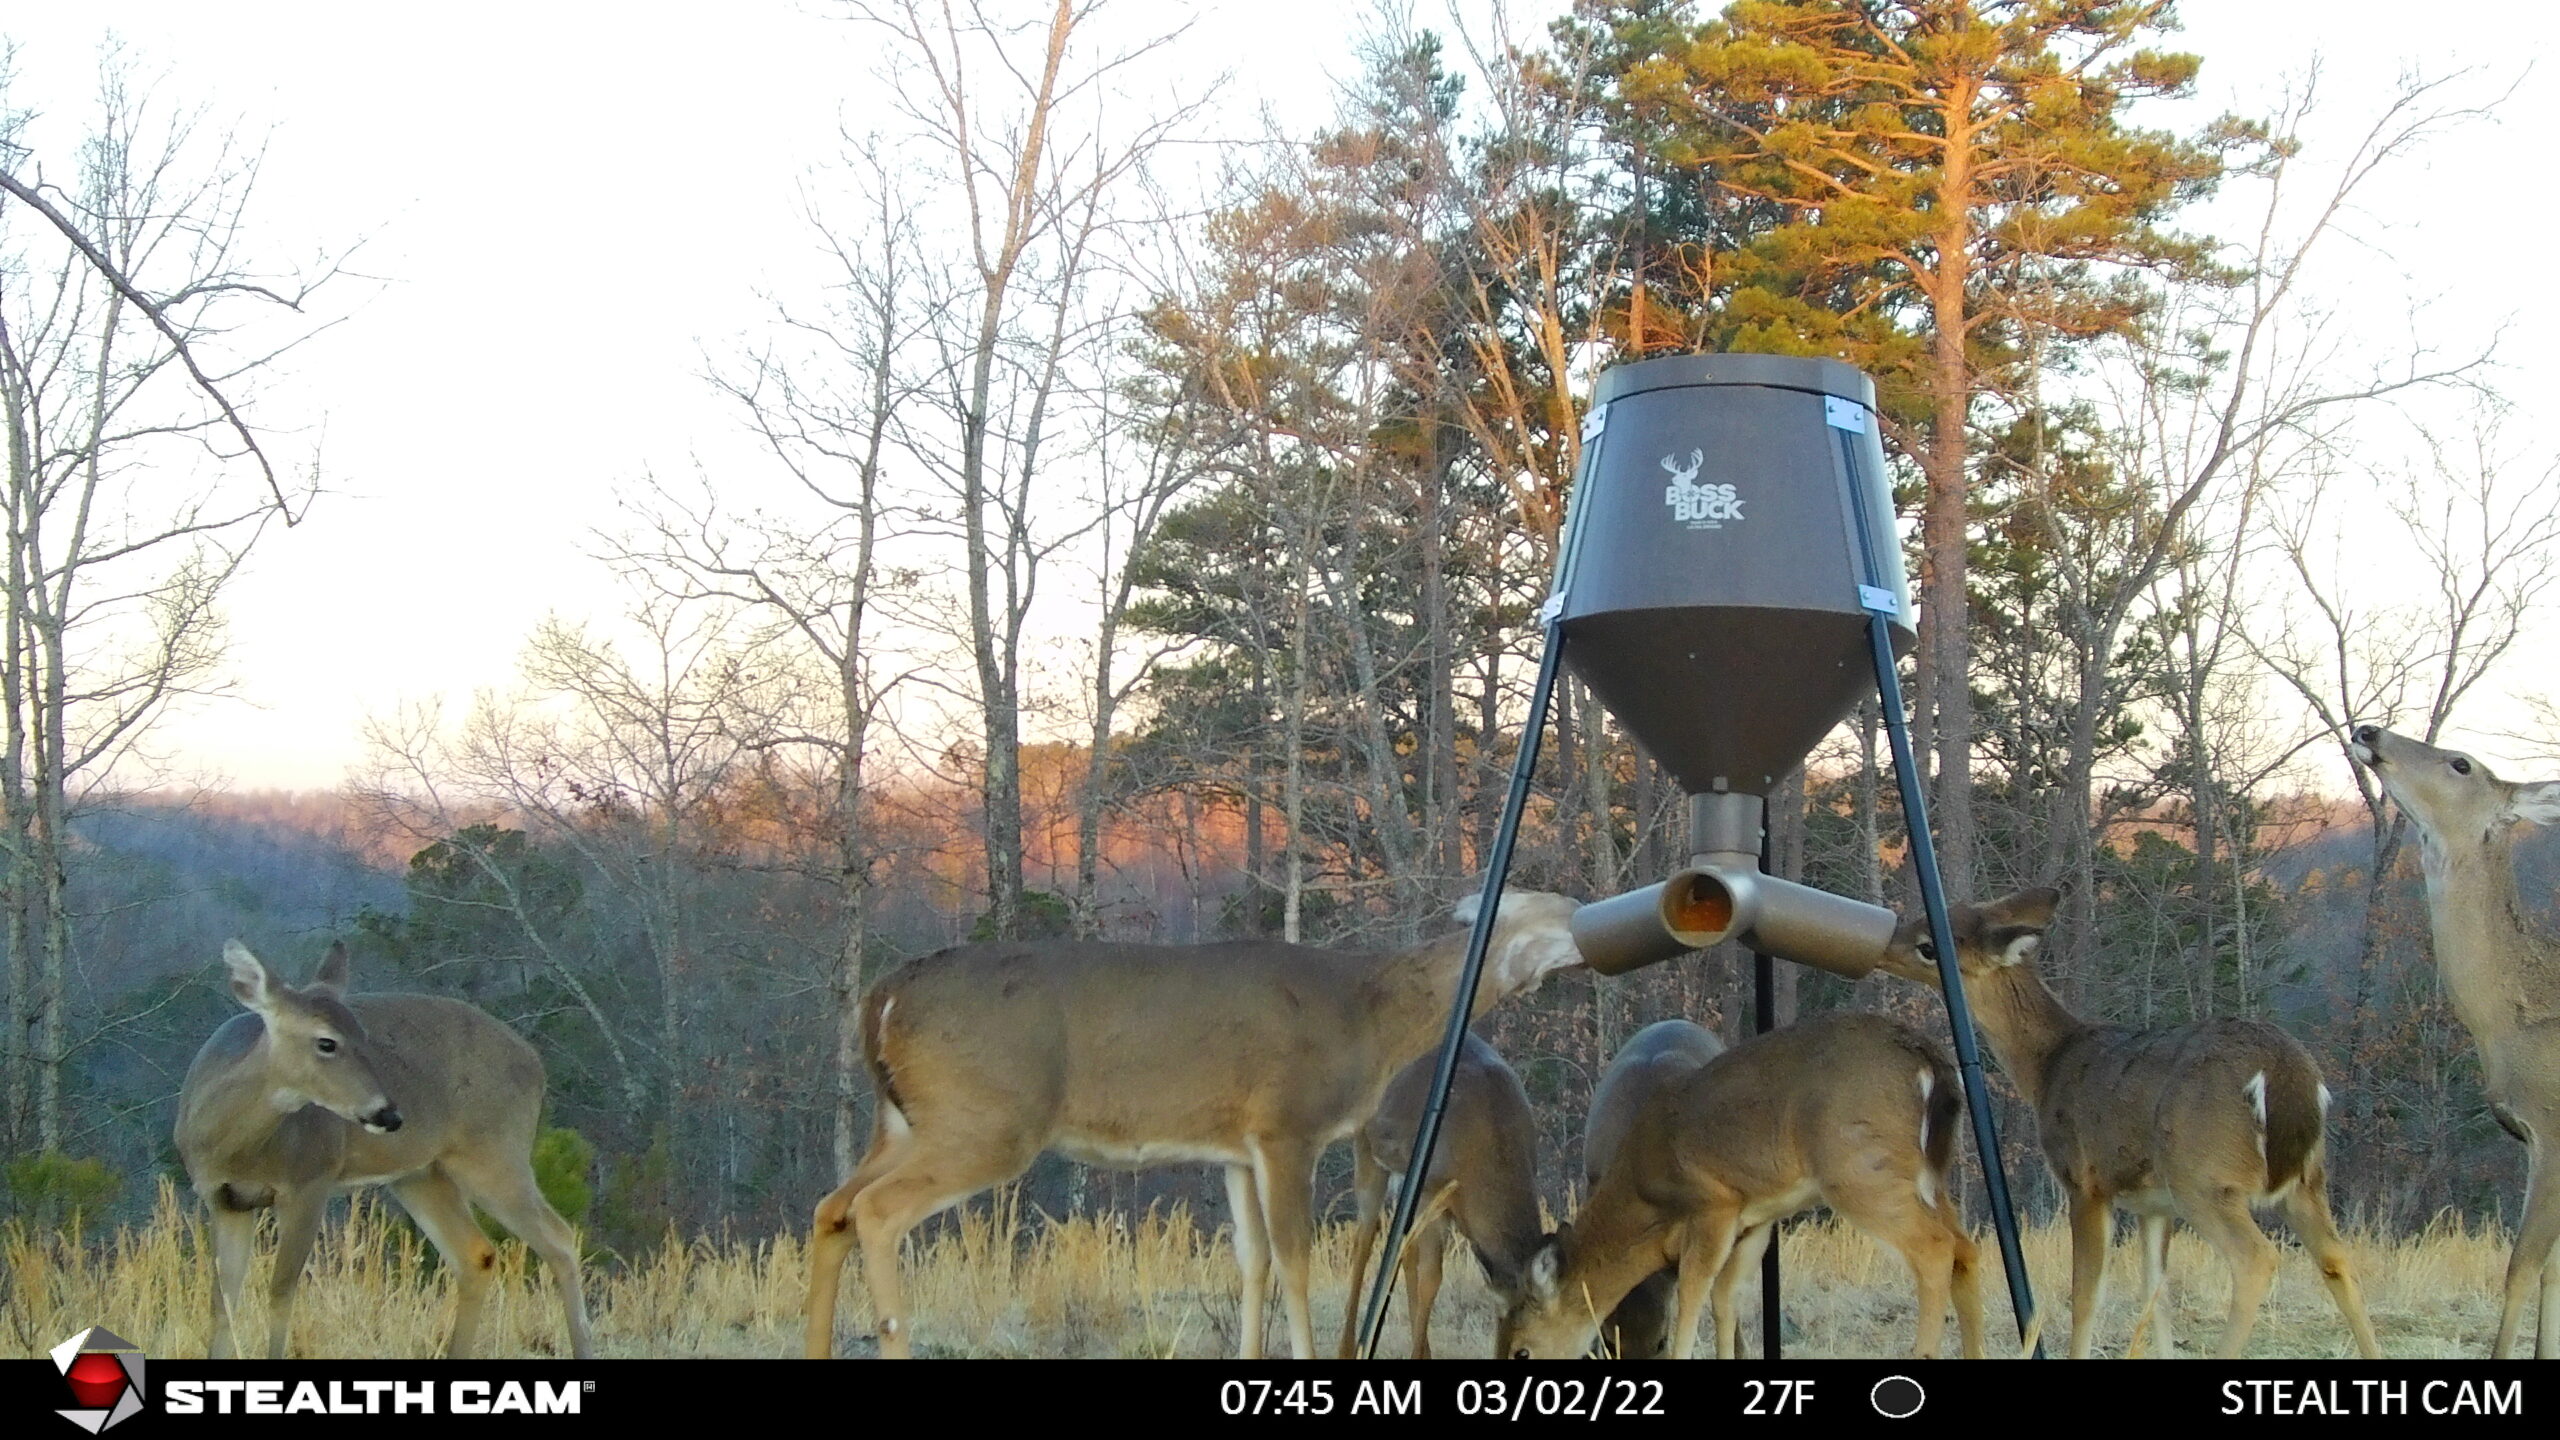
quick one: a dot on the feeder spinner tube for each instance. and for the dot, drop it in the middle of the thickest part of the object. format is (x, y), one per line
(1723, 894)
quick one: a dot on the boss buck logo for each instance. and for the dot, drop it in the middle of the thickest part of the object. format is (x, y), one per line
(1700, 507)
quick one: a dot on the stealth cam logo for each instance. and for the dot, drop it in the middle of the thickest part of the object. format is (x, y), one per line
(1700, 507)
(104, 1371)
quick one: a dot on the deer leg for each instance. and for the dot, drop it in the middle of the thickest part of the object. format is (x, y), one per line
(1284, 1176)
(1712, 1234)
(2308, 1207)
(923, 1177)
(1964, 1275)
(1423, 1257)
(1725, 1303)
(235, 1234)
(437, 1204)
(1253, 1258)
(2151, 1313)
(832, 1236)
(2529, 1261)
(1369, 1192)
(2091, 1219)
(1898, 1217)
(2222, 1216)
(298, 1215)
(513, 1198)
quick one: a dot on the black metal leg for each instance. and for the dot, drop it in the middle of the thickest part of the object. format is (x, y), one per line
(1497, 866)
(1764, 1018)
(1924, 856)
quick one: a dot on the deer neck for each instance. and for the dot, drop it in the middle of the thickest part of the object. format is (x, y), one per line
(2025, 1022)
(1410, 991)
(1618, 1240)
(235, 1113)
(2476, 917)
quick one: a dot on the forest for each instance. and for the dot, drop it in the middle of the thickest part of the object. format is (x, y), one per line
(1141, 537)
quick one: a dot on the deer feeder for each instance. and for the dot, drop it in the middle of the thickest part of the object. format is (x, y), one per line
(1730, 587)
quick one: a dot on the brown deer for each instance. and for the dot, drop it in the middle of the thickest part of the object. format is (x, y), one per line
(1640, 1328)
(1855, 1111)
(1252, 1054)
(2202, 1122)
(1484, 1180)
(314, 1091)
(2502, 973)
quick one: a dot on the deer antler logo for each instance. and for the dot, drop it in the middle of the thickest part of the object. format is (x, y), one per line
(1700, 507)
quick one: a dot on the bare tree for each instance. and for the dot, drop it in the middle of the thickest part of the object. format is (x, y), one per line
(819, 403)
(1014, 135)
(132, 324)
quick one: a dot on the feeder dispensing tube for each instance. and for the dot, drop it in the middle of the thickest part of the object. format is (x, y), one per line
(1497, 867)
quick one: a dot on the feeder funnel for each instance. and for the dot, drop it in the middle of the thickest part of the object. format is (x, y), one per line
(1730, 539)
(1710, 588)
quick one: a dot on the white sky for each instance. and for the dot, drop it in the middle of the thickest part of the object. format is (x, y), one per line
(571, 202)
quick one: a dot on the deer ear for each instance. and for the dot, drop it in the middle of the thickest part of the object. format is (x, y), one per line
(252, 983)
(2538, 802)
(332, 974)
(1545, 1271)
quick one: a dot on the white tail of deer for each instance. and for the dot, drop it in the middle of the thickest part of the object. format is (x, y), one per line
(1850, 1110)
(1659, 1054)
(2501, 973)
(314, 1091)
(2202, 1122)
(1484, 1181)
(1253, 1055)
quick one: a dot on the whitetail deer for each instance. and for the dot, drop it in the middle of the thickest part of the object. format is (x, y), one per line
(1484, 1181)
(2502, 973)
(1640, 1327)
(1855, 1111)
(1252, 1054)
(2204, 1122)
(316, 1091)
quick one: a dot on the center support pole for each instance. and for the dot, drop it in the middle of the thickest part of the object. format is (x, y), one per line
(1933, 898)
(1764, 1018)
(1497, 866)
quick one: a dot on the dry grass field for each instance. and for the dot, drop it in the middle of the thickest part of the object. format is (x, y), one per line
(994, 1283)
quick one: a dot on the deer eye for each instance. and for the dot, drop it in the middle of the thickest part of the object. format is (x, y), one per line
(2460, 765)
(1520, 1354)
(325, 1045)
(1928, 949)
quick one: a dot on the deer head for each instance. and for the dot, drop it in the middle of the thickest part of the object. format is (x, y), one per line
(2450, 795)
(315, 1045)
(1683, 475)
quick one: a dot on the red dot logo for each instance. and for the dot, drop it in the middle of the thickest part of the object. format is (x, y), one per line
(96, 1380)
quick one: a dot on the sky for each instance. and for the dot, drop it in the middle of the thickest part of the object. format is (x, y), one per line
(568, 205)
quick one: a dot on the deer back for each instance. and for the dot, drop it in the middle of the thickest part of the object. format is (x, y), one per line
(1652, 1058)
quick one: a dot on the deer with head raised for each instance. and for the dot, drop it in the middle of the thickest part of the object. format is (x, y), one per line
(1252, 1054)
(2500, 971)
(314, 1091)
(2203, 1122)
(1484, 1182)
(1849, 1110)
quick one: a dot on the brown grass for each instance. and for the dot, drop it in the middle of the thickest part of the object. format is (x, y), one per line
(992, 1282)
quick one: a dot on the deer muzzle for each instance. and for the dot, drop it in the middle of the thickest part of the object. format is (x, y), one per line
(384, 1120)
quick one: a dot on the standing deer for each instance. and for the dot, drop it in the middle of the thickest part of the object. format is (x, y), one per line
(1657, 1055)
(1251, 1054)
(1484, 1180)
(2203, 1122)
(314, 1091)
(1850, 1110)
(2501, 972)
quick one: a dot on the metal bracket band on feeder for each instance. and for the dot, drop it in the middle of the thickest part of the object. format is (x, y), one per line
(1729, 588)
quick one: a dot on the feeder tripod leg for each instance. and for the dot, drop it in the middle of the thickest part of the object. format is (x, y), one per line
(1497, 866)
(1764, 1018)
(1933, 897)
